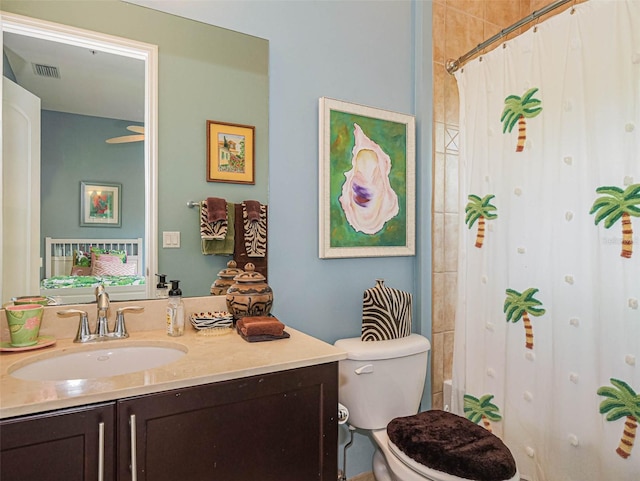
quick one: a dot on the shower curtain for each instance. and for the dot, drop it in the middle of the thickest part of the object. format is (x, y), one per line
(547, 337)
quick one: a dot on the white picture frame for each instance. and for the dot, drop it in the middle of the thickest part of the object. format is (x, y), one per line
(366, 181)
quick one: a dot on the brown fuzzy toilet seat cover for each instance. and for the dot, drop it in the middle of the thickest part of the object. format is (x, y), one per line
(452, 444)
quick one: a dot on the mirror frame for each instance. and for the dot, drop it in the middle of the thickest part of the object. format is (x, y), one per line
(146, 52)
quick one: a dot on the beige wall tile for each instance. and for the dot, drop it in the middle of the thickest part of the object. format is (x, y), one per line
(437, 234)
(437, 400)
(538, 4)
(439, 183)
(450, 300)
(437, 359)
(451, 101)
(451, 231)
(439, 138)
(438, 26)
(451, 139)
(439, 79)
(472, 7)
(467, 33)
(451, 183)
(438, 302)
(447, 361)
(502, 12)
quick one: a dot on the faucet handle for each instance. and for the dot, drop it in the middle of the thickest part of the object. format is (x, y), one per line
(84, 333)
(120, 330)
(102, 297)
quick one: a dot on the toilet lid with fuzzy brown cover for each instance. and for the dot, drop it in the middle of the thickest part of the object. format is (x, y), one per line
(452, 444)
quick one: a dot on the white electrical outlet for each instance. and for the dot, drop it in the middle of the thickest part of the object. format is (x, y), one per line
(170, 240)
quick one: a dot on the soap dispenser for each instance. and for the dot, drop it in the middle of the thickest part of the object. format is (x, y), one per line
(162, 290)
(175, 310)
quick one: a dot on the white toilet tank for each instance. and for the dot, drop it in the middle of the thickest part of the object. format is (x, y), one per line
(381, 380)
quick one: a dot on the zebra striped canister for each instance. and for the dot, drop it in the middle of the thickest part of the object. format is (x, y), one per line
(386, 313)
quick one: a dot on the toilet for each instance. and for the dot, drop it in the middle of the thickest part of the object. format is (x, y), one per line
(381, 384)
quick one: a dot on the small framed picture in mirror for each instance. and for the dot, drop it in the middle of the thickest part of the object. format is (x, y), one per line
(100, 204)
(230, 153)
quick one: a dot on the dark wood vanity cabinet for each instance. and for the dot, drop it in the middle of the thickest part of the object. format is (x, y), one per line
(72, 444)
(279, 426)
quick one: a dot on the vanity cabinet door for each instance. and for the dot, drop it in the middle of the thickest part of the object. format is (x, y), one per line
(71, 445)
(274, 427)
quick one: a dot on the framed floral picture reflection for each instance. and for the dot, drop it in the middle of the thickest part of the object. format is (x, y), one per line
(100, 204)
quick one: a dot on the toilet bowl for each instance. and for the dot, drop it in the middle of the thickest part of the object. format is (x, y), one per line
(391, 464)
(381, 381)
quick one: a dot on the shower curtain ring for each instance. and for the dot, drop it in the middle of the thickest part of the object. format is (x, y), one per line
(482, 52)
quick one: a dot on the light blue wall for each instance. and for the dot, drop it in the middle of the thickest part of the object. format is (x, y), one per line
(74, 150)
(376, 53)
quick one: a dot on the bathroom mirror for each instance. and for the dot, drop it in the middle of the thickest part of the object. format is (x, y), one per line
(88, 87)
(206, 73)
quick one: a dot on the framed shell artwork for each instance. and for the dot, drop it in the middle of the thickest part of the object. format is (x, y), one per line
(367, 181)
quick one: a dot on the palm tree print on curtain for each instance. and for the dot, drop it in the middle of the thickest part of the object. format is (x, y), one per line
(517, 109)
(478, 210)
(622, 402)
(518, 305)
(615, 204)
(482, 409)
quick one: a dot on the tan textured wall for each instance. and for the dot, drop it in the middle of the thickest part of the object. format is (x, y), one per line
(458, 26)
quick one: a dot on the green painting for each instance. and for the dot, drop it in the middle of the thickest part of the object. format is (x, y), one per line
(354, 136)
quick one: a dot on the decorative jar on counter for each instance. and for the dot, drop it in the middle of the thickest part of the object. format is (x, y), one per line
(250, 295)
(225, 279)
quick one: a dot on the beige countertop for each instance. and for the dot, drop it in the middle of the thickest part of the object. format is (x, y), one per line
(208, 359)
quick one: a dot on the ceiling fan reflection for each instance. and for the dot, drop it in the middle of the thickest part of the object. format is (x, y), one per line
(138, 137)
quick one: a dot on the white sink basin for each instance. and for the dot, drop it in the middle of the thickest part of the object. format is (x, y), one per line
(99, 361)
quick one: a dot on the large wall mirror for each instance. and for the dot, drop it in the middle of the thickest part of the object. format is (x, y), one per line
(87, 90)
(155, 107)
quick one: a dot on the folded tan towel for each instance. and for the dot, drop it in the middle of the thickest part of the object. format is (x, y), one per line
(216, 209)
(260, 326)
(266, 337)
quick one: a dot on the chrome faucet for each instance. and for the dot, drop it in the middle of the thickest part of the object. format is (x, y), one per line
(102, 332)
(84, 332)
(102, 301)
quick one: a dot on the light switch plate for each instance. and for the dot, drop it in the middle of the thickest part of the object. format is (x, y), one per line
(170, 240)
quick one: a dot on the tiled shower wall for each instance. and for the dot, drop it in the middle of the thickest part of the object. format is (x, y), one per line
(458, 26)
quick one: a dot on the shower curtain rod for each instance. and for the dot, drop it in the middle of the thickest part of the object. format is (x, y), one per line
(453, 65)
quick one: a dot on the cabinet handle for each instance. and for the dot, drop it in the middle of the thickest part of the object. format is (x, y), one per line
(134, 467)
(100, 451)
